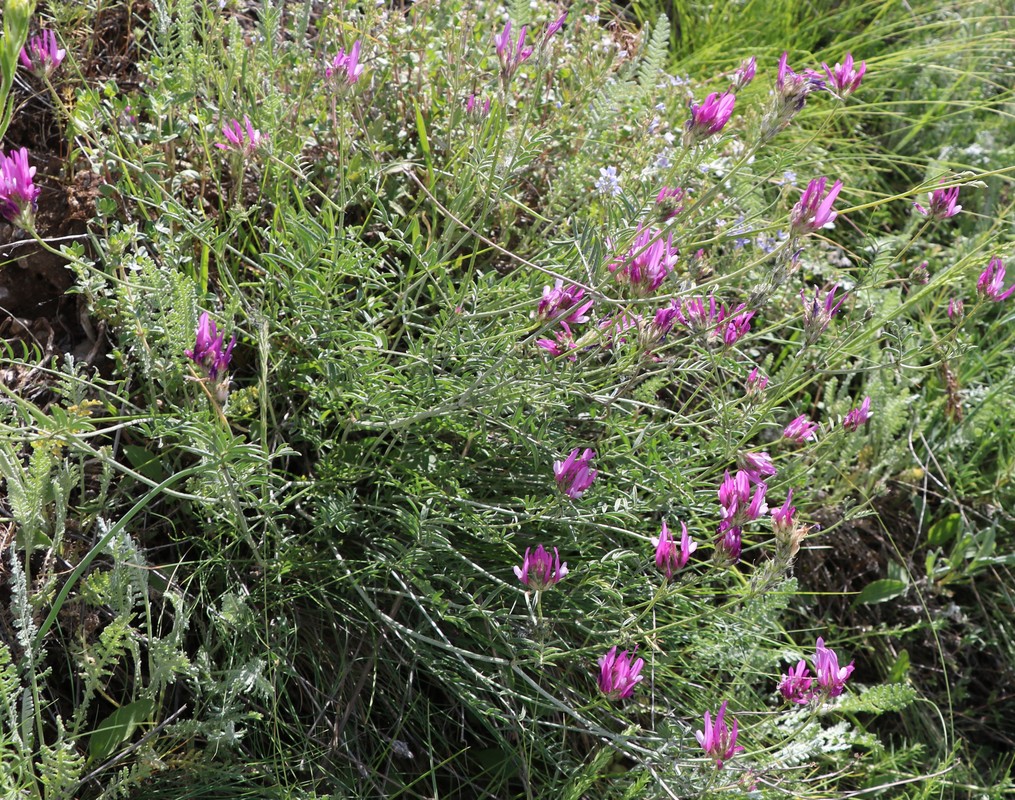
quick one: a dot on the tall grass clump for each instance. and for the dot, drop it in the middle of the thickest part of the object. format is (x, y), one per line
(505, 402)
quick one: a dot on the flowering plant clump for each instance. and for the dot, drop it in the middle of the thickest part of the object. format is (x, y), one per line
(18, 193)
(245, 139)
(990, 284)
(718, 740)
(208, 351)
(540, 570)
(619, 674)
(42, 55)
(574, 475)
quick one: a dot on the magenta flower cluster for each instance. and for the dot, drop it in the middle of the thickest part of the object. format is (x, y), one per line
(42, 55)
(18, 193)
(829, 680)
(540, 570)
(814, 209)
(511, 54)
(719, 323)
(671, 555)
(346, 63)
(647, 262)
(243, 138)
(717, 739)
(709, 117)
(619, 673)
(990, 284)
(208, 352)
(818, 312)
(942, 203)
(574, 475)
(843, 79)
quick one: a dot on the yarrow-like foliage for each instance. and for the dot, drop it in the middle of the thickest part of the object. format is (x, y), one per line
(18, 193)
(347, 63)
(618, 674)
(208, 351)
(842, 78)
(244, 138)
(671, 556)
(718, 740)
(942, 203)
(540, 570)
(574, 475)
(42, 55)
(990, 284)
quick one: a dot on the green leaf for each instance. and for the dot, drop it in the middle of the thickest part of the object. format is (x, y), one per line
(144, 462)
(944, 530)
(881, 590)
(900, 668)
(117, 728)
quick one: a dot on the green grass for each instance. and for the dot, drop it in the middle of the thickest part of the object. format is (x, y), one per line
(298, 584)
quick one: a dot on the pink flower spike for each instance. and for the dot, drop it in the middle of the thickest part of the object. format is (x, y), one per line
(618, 675)
(843, 78)
(858, 416)
(554, 27)
(818, 314)
(540, 571)
(757, 466)
(18, 193)
(782, 518)
(708, 118)
(796, 684)
(955, 309)
(831, 678)
(756, 383)
(244, 139)
(745, 73)
(814, 209)
(574, 475)
(942, 203)
(800, 429)
(208, 351)
(42, 55)
(559, 299)
(669, 556)
(991, 282)
(717, 740)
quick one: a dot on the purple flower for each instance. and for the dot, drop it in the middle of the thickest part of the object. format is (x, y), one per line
(608, 184)
(347, 63)
(647, 263)
(208, 352)
(618, 675)
(664, 318)
(991, 282)
(942, 203)
(745, 73)
(955, 309)
(728, 544)
(801, 429)
(18, 194)
(41, 56)
(717, 740)
(818, 314)
(670, 199)
(244, 139)
(554, 27)
(831, 678)
(741, 504)
(708, 118)
(539, 570)
(843, 78)
(791, 91)
(574, 475)
(733, 326)
(561, 344)
(669, 556)
(782, 518)
(796, 684)
(757, 466)
(858, 416)
(510, 56)
(557, 300)
(472, 107)
(814, 209)
(756, 383)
